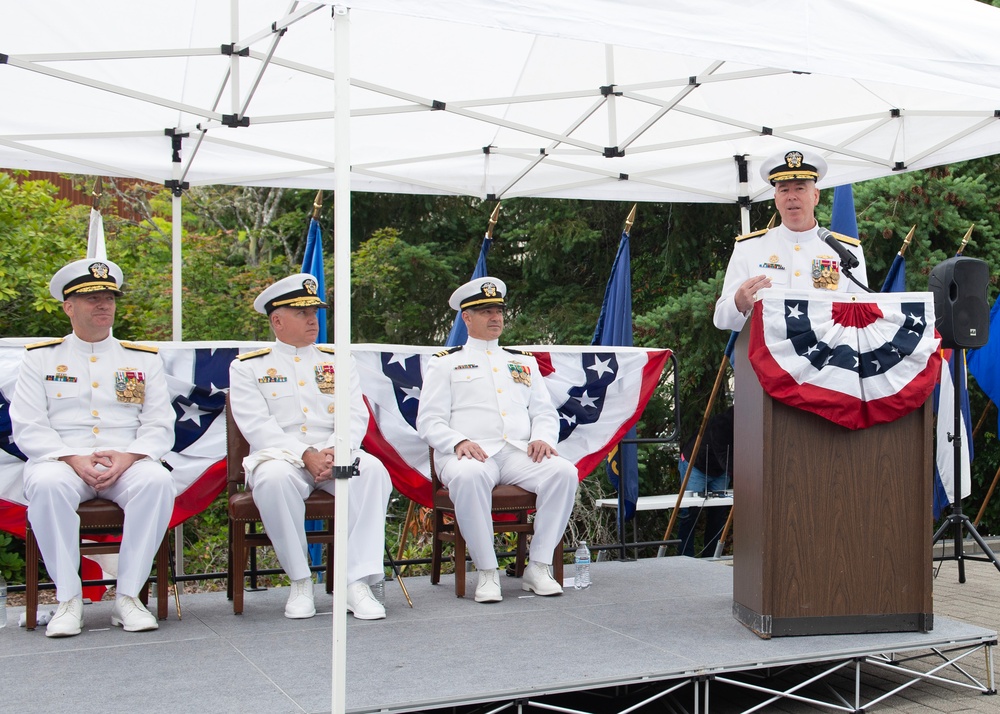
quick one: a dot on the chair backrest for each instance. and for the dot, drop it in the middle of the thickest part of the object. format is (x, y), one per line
(435, 483)
(237, 449)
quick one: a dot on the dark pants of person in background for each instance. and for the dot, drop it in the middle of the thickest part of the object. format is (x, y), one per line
(715, 517)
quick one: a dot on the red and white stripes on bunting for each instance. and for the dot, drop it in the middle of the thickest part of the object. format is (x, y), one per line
(858, 361)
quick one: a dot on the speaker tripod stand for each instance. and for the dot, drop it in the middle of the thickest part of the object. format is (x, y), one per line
(957, 522)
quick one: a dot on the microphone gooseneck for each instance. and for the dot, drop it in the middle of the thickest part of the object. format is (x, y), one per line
(847, 258)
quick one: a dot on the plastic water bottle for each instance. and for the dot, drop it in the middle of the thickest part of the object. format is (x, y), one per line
(3, 601)
(378, 590)
(582, 560)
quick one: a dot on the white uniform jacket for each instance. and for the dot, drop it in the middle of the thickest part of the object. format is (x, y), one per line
(791, 260)
(283, 398)
(74, 397)
(486, 394)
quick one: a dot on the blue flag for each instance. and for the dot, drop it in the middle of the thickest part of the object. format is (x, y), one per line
(843, 218)
(895, 279)
(984, 363)
(312, 263)
(614, 328)
(459, 334)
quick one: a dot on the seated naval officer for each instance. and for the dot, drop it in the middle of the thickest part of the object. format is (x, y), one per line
(792, 255)
(490, 419)
(282, 399)
(93, 416)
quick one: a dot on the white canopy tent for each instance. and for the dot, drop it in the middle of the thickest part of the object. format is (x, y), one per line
(602, 99)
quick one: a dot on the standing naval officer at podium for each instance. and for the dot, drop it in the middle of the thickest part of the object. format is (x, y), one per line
(791, 255)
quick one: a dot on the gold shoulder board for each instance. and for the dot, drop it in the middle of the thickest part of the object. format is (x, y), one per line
(846, 239)
(751, 235)
(255, 353)
(46, 343)
(141, 348)
(518, 352)
(325, 348)
(448, 351)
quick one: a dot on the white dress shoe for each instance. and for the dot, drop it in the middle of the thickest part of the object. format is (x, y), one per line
(68, 620)
(539, 580)
(362, 602)
(300, 604)
(488, 589)
(131, 614)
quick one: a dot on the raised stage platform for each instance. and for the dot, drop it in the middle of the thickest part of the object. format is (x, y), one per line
(646, 630)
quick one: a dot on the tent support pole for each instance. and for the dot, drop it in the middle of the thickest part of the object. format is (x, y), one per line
(342, 340)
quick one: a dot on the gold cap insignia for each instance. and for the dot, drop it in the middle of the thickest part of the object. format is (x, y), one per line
(793, 159)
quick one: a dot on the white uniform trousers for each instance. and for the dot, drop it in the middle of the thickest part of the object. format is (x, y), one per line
(280, 489)
(54, 491)
(470, 483)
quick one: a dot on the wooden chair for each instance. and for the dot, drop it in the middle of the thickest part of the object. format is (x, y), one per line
(244, 517)
(512, 503)
(97, 517)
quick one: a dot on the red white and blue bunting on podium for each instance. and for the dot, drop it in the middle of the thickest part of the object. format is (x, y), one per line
(856, 360)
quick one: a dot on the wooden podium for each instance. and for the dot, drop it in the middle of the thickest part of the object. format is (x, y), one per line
(832, 526)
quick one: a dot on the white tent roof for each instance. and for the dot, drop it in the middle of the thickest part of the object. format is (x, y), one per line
(603, 99)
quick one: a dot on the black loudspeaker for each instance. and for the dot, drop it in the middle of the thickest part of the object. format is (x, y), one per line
(960, 306)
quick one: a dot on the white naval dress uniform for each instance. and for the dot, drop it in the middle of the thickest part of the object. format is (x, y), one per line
(277, 403)
(792, 260)
(495, 398)
(74, 398)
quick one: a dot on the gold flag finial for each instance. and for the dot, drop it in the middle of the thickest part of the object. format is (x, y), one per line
(97, 193)
(965, 239)
(906, 241)
(630, 220)
(317, 205)
(493, 221)
(770, 223)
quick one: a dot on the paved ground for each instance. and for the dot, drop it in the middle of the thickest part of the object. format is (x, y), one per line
(976, 601)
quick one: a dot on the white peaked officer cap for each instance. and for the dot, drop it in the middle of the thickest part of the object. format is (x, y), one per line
(478, 293)
(793, 165)
(299, 290)
(88, 275)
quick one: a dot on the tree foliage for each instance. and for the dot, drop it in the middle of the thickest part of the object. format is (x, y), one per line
(410, 252)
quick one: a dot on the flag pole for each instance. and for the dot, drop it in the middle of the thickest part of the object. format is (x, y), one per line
(493, 221)
(965, 239)
(774, 219)
(720, 375)
(630, 220)
(407, 522)
(96, 194)
(989, 496)
(317, 205)
(982, 419)
(906, 241)
(721, 545)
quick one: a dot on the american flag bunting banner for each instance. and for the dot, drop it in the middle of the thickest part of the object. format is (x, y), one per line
(599, 392)
(858, 361)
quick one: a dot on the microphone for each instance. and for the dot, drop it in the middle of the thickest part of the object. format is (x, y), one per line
(847, 259)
